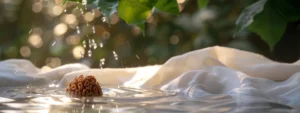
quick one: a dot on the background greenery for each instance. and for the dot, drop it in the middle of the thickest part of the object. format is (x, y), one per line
(166, 35)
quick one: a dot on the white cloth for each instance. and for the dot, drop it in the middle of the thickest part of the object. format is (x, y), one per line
(214, 70)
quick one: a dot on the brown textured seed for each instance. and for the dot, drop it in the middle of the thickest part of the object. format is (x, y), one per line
(84, 86)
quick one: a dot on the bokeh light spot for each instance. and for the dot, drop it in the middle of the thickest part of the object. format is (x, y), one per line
(174, 39)
(37, 7)
(73, 40)
(57, 10)
(70, 19)
(35, 40)
(88, 17)
(25, 51)
(78, 52)
(60, 29)
(105, 35)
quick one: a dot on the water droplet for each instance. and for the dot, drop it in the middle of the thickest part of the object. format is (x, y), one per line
(30, 31)
(95, 45)
(53, 43)
(100, 65)
(78, 30)
(104, 19)
(90, 53)
(91, 43)
(93, 12)
(84, 44)
(101, 45)
(115, 55)
(81, 11)
(102, 61)
(94, 31)
(51, 85)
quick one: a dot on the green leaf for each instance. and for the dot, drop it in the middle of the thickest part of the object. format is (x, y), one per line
(269, 25)
(202, 3)
(65, 1)
(169, 6)
(106, 7)
(134, 11)
(287, 9)
(246, 17)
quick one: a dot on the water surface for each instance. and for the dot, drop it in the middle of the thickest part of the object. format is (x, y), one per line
(131, 100)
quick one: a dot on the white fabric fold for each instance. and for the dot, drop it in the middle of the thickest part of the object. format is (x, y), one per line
(214, 70)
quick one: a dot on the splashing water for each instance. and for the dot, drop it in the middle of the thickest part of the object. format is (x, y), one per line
(103, 19)
(90, 43)
(102, 62)
(84, 44)
(90, 53)
(81, 11)
(115, 55)
(93, 41)
(95, 45)
(94, 30)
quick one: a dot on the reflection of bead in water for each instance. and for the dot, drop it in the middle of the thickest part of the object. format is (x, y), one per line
(90, 53)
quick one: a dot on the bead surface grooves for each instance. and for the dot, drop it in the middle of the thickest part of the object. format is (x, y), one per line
(84, 86)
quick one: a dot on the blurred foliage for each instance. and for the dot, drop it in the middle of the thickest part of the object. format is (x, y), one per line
(269, 18)
(50, 34)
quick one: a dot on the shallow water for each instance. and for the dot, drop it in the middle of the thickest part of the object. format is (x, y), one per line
(131, 100)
